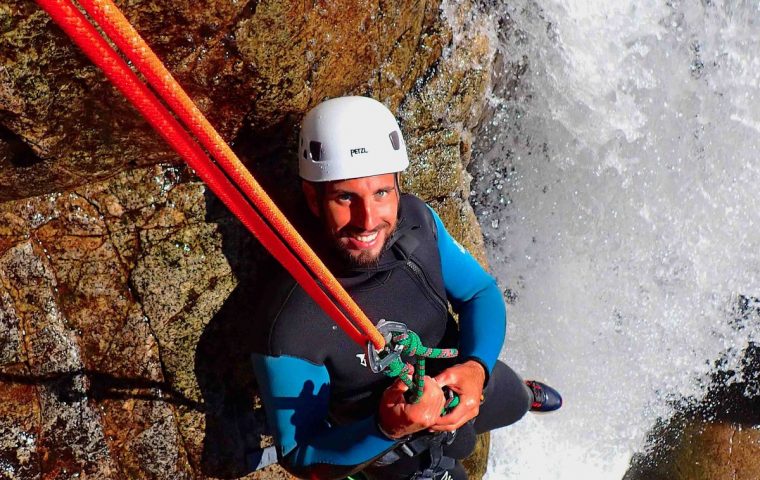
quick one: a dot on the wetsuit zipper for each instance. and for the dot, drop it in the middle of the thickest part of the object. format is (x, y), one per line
(422, 280)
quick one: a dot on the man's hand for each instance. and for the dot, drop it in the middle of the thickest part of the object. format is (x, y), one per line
(466, 380)
(398, 418)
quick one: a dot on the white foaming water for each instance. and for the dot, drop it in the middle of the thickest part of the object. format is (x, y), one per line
(618, 188)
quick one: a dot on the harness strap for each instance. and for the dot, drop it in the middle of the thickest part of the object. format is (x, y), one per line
(438, 462)
(229, 179)
(432, 443)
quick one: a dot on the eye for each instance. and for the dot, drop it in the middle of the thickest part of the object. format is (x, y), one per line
(343, 197)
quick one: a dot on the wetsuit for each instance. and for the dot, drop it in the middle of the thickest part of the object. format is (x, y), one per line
(321, 399)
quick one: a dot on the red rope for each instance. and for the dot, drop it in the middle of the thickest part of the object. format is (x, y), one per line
(118, 28)
(286, 245)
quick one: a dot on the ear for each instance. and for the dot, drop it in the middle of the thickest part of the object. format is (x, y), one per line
(312, 197)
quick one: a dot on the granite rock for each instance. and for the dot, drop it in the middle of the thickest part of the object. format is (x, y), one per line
(258, 64)
(718, 437)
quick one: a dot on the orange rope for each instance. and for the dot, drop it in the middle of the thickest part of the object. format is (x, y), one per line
(294, 254)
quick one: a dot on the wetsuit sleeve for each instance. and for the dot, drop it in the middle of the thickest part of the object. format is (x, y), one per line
(476, 297)
(296, 395)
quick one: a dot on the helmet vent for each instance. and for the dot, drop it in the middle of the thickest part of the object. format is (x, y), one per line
(395, 141)
(315, 148)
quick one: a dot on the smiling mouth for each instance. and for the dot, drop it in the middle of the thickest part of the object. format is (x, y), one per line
(366, 238)
(361, 240)
(362, 248)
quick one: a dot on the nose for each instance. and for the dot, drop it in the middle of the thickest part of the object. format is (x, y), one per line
(363, 215)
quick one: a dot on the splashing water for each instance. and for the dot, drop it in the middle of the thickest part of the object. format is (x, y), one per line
(617, 186)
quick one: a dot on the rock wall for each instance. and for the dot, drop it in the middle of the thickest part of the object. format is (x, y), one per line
(125, 284)
(718, 438)
(254, 64)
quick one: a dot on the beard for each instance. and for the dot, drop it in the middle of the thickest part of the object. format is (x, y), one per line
(364, 259)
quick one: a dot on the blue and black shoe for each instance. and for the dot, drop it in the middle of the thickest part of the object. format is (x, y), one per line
(545, 398)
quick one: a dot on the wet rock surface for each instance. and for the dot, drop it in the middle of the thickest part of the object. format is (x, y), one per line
(125, 285)
(705, 449)
(253, 64)
(64, 124)
(439, 118)
(718, 438)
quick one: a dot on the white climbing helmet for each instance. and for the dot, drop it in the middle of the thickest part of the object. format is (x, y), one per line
(350, 137)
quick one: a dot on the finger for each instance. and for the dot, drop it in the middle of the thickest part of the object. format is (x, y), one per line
(428, 414)
(467, 409)
(433, 395)
(431, 385)
(394, 394)
(393, 397)
(454, 416)
(445, 378)
(399, 385)
(458, 417)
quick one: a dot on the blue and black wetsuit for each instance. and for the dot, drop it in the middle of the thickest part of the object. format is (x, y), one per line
(321, 399)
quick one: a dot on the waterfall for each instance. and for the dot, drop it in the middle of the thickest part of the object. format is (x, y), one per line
(617, 184)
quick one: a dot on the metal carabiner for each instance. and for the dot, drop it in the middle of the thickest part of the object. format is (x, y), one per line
(379, 360)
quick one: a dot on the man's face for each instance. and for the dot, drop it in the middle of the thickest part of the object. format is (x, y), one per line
(359, 214)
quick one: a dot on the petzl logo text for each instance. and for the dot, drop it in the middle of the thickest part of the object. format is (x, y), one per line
(357, 151)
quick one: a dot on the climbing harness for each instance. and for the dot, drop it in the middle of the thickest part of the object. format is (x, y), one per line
(232, 183)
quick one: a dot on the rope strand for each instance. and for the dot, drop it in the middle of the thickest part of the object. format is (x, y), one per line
(413, 347)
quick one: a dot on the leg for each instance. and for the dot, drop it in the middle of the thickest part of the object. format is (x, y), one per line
(506, 400)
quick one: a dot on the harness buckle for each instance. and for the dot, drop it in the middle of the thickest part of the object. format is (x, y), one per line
(379, 360)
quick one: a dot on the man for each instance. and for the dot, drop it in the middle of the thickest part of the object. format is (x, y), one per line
(329, 413)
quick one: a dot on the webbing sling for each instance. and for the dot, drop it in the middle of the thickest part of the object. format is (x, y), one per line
(228, 178)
